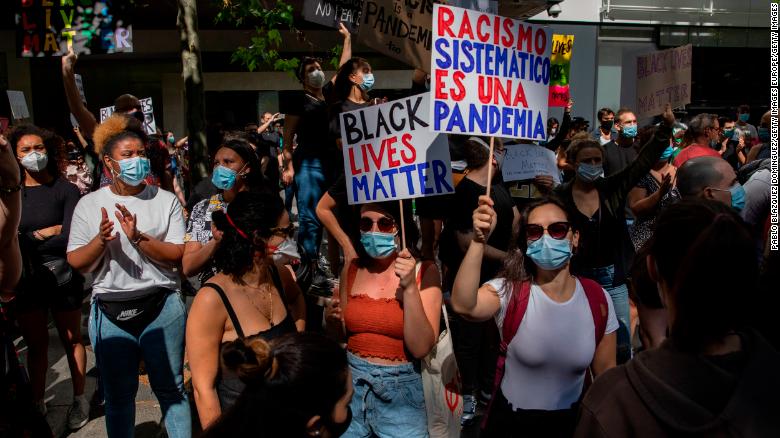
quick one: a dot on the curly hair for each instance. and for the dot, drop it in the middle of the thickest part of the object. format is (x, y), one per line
(246, 228)
(55, 146)
(115, 128)
(343, 85)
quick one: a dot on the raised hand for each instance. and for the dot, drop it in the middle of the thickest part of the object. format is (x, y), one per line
(333, 312)
(544, 182)
(484, 219)
(404, 268)
(69, 60)
(668, 115)
(106, 232)
(344, 31)
(128, 222)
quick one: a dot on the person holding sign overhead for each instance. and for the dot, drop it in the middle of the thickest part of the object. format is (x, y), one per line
(598, 205)
(312, 165)
(387, 311)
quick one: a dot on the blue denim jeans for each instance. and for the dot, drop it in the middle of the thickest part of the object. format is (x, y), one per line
(310, 185)
(161, 345)
(619, 294)
(289, 194)
(388, 400)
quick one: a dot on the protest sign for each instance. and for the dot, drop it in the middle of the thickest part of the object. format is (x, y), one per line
(525, 161)
(18, 104)
(560, 65)
(332, 12)
(398, 29)
(490, 75)
(51, 27)
(390, 152)
(150, 127)
(663, 77)
(80, 87)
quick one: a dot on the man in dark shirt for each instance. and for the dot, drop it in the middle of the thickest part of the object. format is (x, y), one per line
(619, 153)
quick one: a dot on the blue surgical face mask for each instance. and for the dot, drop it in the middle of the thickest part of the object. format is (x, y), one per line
(763, 134)
(667, 153)
(133, 171)
(548, 253)
(223, 177)
(378, 245)
(590, 172)
(629, 131)
(368, 82)
(737, 196)
(744, 117)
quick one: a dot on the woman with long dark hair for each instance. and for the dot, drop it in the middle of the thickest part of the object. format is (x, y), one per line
(250, 298)
(297, 386)
(48, 282)
(388, 312)
(555, 327)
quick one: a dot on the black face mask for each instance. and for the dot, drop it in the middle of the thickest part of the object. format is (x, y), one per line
(607, 125)
(338, 429)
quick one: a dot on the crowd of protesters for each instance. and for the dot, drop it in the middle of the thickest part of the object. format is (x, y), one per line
(628, 300)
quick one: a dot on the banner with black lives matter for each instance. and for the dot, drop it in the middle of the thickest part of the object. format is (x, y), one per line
(490, 75)
(390, 152)
(399, 29)
(51, 27)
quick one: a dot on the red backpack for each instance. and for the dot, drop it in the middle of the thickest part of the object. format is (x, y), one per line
(515, 312)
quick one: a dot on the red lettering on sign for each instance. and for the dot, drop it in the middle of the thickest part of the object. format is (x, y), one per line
(391, 160)
(524, 34)
(508, 39)
(459, 93)
(439, 84)
(483, 21)
(406, 140)
(446, 18)
(465, 27)
(376, 159)
(352, 168)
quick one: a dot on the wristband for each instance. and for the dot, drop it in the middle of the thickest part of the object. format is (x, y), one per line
(137, 240)
(11, 189)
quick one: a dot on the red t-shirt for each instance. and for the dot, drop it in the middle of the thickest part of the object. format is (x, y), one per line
(693, 151)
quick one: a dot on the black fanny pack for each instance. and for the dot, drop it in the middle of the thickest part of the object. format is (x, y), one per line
(134, 315)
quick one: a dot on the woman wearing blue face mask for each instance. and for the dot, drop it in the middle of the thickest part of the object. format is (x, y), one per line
(597, 206)
(554, 326)
(236, 169)
(387, 311)
(137, 311)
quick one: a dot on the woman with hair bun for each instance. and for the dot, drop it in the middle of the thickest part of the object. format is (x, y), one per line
(297, 385)
(250, 298)
(137, 311)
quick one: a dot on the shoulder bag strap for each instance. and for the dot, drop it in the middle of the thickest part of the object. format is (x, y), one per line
(599, 307)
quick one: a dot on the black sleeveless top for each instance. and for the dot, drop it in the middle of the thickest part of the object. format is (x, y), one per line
(229, 386)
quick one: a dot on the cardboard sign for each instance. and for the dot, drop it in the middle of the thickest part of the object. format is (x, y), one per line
(399, 29)
(490, 75)
(18, 104)
(525, 161)
(560, 66)
(663, 77)
(332, 12)
(51, 27)
(80, 87)
(150, 127)
(390, 152)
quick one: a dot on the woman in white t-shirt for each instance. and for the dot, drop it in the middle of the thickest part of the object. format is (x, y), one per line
(550, 322)
(137, 311)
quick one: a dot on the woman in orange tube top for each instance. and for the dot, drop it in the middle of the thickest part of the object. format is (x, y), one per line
(388, 311)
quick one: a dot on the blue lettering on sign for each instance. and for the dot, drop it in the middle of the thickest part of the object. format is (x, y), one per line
(443, 61)
(426, 178)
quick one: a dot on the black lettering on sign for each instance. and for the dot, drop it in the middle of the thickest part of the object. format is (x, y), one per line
(331, 12)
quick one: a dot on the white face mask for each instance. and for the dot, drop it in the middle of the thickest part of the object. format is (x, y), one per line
(35, 161)
(286, 251)
(316, 79)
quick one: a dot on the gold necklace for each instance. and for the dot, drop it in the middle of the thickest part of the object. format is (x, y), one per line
(270, 315)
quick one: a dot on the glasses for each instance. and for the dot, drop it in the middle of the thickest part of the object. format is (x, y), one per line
(287, 231)
(556, 230)
(385, 224)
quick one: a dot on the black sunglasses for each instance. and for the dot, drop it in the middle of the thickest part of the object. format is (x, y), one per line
(385, 224)
(557, 230)
(287, 231)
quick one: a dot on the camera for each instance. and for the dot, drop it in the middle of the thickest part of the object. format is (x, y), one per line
(554, 8)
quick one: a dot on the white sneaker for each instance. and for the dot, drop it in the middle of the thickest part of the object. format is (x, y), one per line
(78, 415)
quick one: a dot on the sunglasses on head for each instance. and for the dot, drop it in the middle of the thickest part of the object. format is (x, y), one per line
(557, 230)
(385, 224)
(287, 231)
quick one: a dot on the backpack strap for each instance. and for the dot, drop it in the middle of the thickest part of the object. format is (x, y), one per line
(228, 307)
(599, 307)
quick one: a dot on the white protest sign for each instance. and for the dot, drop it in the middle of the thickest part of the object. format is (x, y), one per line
(490, 75)
(150, 127)
(390, 153)
(18, 104)
(663, 77)
(80, 87)
(525, 161)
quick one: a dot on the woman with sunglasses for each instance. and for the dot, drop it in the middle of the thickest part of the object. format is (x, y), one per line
(236, 170)
(554, 326)
(249, 298)
(597, 207)
(388, 312)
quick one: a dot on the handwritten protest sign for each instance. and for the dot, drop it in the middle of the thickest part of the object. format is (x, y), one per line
(18, 104)
(490, 75)
(332, 12)
(150, 127)
(663, 77)
(390, 152)
(525, 161)
(400, 30)
(560, 66)
(51, 27)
